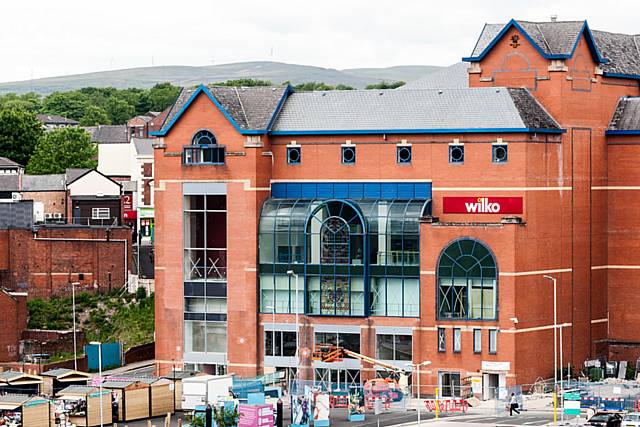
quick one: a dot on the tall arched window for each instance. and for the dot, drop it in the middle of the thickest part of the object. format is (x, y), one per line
(335, 241)
(467, 281)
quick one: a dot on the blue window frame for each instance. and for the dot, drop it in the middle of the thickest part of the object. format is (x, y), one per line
(294, 155)
(204, 149)
(467, 281)
(499, 153)
(353, 257)
(403, 154)
(349, 155)
(456, 153)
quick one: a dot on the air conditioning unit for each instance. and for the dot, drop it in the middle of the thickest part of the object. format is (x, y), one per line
(57, 215)
(48, 215)
(16, 197)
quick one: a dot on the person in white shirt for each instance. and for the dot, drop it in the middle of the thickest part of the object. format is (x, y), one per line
(513, 405)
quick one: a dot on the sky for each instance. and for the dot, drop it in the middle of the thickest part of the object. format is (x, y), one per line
(44, 38)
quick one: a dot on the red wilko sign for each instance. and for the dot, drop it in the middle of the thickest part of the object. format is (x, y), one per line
(482, 205)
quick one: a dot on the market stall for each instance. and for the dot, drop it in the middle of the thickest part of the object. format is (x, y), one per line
(19, 383)
(161, 392)
(176, 377)
(80, 405)
(57, 379)
(132, 397)
(18, 410)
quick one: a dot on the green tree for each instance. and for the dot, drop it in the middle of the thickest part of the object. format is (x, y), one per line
(225, 417)
(119, 110)
(94, 116)
(385, 85)
(68, 104)
(245, 83)
(344, 87)
(63, 148)
(159, 97)
(20, 132)
(311, 86)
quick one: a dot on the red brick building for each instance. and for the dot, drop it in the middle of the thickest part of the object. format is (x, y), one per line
(408, 225)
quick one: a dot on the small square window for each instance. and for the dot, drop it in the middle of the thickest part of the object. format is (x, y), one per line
(499, 153)
(477, 340)
(493, 341)
(457, 340)
(348, 155)
(294, 155)
(456, 153)
(442, 340)
(403, 154)
(100, 213)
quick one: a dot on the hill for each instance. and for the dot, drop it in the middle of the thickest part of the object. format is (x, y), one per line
(277, 72)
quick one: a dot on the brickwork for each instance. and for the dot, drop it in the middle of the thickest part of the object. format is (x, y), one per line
(574, 226)
(44, 263)
(14, 320)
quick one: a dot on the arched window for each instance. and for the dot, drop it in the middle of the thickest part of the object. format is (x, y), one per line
(204, 149)
(203, 137)
(335, 241)
(467, 281)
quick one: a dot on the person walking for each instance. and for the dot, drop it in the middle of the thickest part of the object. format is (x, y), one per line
(513, 405)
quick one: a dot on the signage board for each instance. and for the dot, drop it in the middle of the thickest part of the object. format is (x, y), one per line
(495, 366)
(255, 416)
(572, 407)
(482, 205)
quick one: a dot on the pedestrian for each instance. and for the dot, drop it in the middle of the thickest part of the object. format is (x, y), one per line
(513, 405)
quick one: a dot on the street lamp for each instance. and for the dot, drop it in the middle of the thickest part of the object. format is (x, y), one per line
(292, 273)
(75, 349)
(417, 366)
(273, 330)
(99, 344)
(555, 329)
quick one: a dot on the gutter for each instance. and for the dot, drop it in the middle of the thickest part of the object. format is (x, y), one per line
(63, 239)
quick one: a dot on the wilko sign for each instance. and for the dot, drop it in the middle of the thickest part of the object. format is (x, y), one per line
(482, 205)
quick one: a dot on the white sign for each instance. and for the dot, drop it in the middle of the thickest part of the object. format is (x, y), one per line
(476, 385)
(617, 390)
(495, 366)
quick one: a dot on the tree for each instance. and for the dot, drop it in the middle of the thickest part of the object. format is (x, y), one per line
(63, 148)
(385, 85)
(119, 110)
(95, 116)
(245, 83)
(311, 86)
(159, 97)
(68, 104)
(20, 132)
(225, 417)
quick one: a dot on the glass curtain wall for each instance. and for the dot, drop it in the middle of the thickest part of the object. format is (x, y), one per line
(359, 257)
(205, 273)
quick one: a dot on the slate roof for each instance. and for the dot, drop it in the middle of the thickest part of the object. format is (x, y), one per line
(77, 389)
(8, 163)
(73, 174)
(452, 77)
(251, 108)
(621, 52)
(627, 115)
(56, 372)
(412, 110)
(143, 146)
(10, 375)
(9, 182)
(52, 182)
(109, 134)
(53, 119)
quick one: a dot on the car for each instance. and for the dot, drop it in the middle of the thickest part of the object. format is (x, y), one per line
(605, 420)
(632, 419)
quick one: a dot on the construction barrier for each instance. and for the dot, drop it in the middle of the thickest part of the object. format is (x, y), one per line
(447, 405)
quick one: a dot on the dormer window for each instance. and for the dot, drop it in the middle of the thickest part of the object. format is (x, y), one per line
(204, 149)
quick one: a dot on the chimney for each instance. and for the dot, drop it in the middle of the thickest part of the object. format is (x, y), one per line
(554, 18)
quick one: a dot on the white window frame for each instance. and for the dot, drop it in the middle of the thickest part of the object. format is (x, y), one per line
(98, 213)
(477, 341)
(493, 341)
(457, 340)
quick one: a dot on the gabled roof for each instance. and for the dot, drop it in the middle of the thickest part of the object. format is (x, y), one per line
(452, 77)
(626, 118)
(143, 146)
(8, 163)
(617, 54)
(493, 109)
(109, 134)
(73, 174)
(251, 110)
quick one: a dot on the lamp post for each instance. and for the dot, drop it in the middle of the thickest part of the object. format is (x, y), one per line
(73, 303)
(292, 273)
(99, 344)
(417, 366)
(555, 329)
(273, 331)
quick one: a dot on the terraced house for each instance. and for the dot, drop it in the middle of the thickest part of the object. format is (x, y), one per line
(408, 225)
